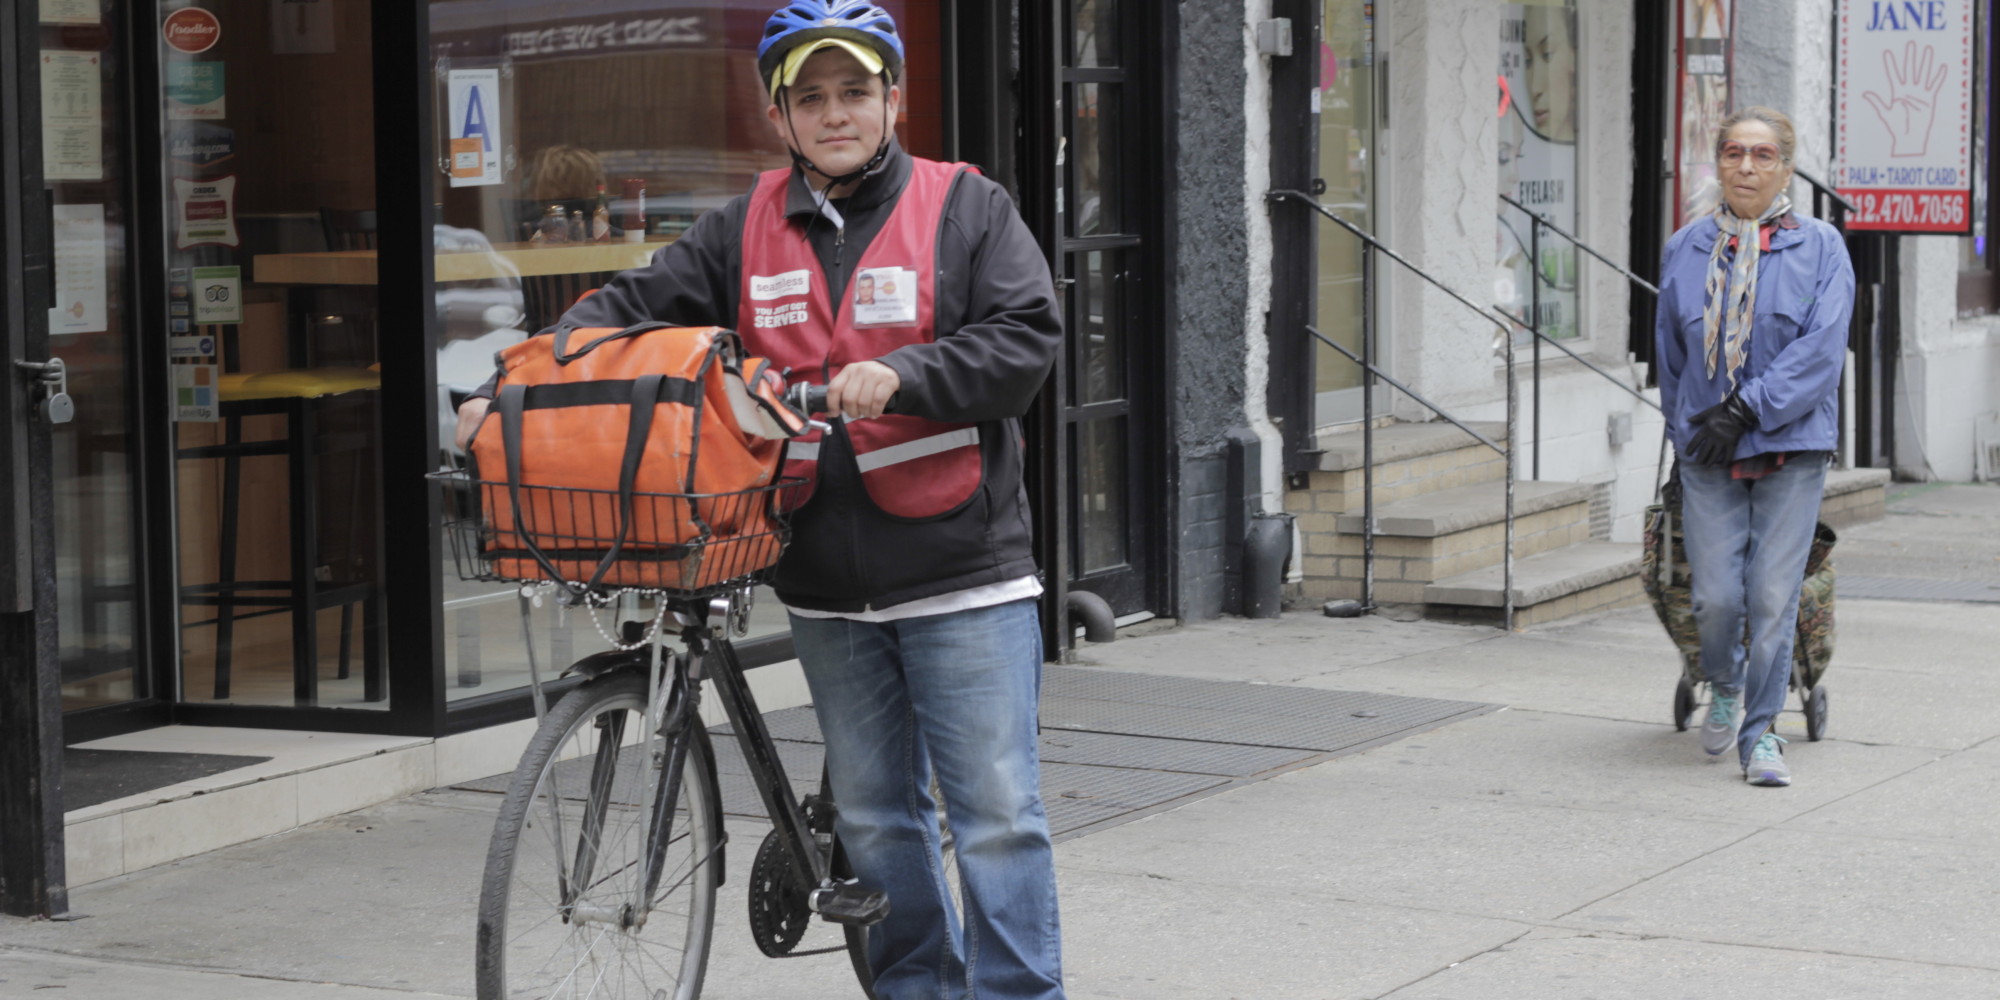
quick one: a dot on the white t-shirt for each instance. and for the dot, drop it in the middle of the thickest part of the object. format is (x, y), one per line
(958, 600)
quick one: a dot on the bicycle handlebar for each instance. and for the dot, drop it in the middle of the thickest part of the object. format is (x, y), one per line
(810, 399)
(807, 398)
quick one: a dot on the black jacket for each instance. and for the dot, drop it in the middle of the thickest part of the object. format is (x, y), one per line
(998, 331)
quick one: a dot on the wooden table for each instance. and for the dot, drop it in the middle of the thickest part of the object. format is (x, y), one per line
(506, 260)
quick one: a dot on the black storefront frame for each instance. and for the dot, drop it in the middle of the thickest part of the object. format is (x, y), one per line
(32, 878)
(1294, 270)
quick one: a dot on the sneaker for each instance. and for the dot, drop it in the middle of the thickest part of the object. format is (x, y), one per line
(1724, 716)
(1767, 763)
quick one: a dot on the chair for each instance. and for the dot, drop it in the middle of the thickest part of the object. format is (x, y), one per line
(545, 297)
(297, 394)
(348, 229)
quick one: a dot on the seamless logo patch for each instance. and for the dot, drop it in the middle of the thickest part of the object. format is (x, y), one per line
(778, 286)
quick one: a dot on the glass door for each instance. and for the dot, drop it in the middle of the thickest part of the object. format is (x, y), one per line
(1106, 255)
(92, 328)
(1351, 142)
(266, 119)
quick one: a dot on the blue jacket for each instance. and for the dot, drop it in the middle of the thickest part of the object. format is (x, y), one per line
(1798, 337)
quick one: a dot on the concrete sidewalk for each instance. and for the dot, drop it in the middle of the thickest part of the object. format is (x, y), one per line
(1571, 845)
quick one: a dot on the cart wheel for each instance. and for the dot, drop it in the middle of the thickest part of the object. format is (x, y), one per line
(1684, 704)
(1816, 713)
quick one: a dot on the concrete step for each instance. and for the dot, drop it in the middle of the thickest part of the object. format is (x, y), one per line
(1410, 459)
(1401, 442)
(1438, 535)
(1444, 512)
(1855, 496)
(1572, 580)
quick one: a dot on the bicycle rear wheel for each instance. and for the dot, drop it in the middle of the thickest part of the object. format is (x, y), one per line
(559, 909)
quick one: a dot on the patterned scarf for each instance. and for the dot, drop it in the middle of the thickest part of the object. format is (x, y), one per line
(1741, 286)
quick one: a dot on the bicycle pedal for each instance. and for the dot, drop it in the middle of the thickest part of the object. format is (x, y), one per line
(851, 903)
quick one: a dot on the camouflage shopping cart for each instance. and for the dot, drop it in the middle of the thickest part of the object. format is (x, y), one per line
(1664, 574)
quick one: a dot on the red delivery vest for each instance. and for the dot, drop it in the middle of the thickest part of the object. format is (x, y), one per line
(911, 467)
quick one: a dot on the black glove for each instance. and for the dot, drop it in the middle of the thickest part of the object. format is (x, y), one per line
(1718, 429)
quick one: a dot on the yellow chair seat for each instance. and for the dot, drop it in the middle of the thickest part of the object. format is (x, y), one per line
(303, 383)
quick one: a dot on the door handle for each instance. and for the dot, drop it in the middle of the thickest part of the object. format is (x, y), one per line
(52, 378)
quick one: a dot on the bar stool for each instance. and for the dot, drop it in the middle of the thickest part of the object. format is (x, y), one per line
(298, 395)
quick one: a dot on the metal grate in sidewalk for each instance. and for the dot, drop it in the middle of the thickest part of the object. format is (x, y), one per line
(1117, 746)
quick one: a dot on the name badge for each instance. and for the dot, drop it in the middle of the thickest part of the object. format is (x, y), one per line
(885, 296)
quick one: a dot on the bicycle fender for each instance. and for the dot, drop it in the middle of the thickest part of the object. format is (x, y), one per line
(598, 664)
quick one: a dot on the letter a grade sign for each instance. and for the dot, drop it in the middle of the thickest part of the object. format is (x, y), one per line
(475, 143)
(1903, 114)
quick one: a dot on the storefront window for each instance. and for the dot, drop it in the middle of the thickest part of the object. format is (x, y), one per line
(574, 140)
(1348, 150)
(1539, 113)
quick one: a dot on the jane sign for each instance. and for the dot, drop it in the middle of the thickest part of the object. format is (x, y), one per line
(1903, 114)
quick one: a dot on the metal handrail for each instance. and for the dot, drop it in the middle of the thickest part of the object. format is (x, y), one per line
(1536, 223)
(1580, 359)
(1407, 391)
(1820, 188)
(1585, 247)
(1369, 244)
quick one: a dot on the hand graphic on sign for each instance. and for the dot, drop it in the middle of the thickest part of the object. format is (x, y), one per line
(1914, 89)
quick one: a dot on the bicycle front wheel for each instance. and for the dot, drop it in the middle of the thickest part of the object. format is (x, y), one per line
(563, 910)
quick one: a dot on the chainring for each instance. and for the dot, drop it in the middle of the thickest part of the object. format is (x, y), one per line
(779, 912)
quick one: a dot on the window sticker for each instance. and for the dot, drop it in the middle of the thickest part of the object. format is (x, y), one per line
(474, 140)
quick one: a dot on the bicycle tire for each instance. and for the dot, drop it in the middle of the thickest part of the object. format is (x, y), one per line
(582, 770)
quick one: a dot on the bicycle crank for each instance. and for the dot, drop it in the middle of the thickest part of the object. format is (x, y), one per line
(779, 907)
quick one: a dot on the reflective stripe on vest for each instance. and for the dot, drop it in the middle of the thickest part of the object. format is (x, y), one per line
(910, 451)
(911, 467)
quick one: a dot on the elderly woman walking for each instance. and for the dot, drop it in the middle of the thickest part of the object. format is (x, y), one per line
(1751, 335)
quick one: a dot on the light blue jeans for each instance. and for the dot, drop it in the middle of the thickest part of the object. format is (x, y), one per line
(960, 692)
(1747, 543)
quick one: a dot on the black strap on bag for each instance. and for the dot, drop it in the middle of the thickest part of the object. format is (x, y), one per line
(647, 393)
(510, 401)
(564, 356)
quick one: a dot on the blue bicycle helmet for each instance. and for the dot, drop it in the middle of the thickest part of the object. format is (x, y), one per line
(803, 21)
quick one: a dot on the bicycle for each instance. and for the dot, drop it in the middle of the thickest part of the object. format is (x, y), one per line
(607, 852)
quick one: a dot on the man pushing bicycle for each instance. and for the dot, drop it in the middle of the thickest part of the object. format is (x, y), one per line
(910, 580)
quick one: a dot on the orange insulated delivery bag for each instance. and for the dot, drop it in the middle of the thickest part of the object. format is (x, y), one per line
(643, 457)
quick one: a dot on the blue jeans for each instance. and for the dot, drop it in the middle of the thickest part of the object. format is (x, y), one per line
(960, 692)
(1747, 543)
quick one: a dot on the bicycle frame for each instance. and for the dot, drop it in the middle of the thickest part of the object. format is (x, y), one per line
(774, 786)
(674, 696)
(674, 692)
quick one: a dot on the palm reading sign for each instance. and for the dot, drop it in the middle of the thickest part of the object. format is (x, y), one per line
(1903, 114)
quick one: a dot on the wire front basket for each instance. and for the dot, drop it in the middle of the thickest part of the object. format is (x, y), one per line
(679, 544)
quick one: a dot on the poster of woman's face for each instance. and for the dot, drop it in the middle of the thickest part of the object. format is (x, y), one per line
(1549, 45)
(1538, 137)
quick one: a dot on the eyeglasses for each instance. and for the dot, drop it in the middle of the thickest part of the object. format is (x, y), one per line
(1763, 156)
